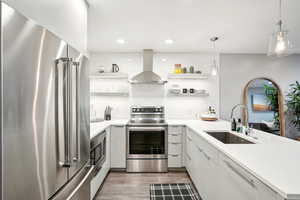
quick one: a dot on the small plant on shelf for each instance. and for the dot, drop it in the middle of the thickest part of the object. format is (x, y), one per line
(293, 103)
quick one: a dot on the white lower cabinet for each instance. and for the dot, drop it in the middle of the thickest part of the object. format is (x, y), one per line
(188, 152)
(204, 166)
(99, 178)
(118, 146)
(217, 177)
(235, 182)
(175, 146)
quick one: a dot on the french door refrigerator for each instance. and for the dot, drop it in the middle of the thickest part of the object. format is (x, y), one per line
(44, 113)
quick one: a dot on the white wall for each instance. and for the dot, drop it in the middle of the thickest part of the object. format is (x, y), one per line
(65, 18)
(238, 69)
(176, 107)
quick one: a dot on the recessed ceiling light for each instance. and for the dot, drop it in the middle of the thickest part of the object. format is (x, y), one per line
(129, 59)
(120, 41)
(169, 41)
(164, 59)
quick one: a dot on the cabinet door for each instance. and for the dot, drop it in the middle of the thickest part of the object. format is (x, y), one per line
(174, 160)
(188, 150)
(208, 160)
(99, 178)
(118, 147)
(235, 182)
(199, 166)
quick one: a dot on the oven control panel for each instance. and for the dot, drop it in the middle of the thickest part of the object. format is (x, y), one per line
(159, 109)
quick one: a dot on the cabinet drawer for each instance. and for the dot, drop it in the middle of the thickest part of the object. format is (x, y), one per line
(174, 137)
(174, 160)
(175, 148)
(175, 129)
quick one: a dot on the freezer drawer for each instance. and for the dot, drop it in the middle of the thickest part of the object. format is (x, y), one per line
(79, 187)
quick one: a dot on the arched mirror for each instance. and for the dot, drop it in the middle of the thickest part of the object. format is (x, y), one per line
(264, 100)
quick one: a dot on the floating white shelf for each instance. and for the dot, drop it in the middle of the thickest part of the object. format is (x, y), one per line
(188, 76)
(109, 75)
(188, 94)
(112, 94)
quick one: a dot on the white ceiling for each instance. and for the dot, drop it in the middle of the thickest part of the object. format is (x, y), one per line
(244, 26)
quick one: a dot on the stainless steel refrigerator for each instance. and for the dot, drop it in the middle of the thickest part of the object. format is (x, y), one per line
(44, 113)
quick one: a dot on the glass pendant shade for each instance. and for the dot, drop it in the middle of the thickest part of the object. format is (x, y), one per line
(279, 44)
(214, 68)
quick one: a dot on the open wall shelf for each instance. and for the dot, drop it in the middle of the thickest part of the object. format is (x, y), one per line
(109, 75)
(188, 76)
(188, 94)
(111, 94)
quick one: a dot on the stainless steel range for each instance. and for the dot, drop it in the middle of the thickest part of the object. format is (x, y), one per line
(147, 140)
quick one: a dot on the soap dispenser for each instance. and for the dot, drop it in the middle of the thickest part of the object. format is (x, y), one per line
(233, 124)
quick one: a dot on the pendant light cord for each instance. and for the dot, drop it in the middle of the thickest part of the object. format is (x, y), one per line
(280, 15)
(280, 10)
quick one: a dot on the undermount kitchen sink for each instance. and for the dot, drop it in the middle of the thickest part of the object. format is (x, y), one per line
(228, 138)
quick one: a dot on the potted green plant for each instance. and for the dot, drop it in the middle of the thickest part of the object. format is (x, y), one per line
(293, 103)
(272, 97)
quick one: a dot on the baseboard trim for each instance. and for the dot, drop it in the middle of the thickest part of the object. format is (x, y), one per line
(175, 169)
(118, 169)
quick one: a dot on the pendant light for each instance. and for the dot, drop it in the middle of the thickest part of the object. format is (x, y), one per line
(214, 66)
(279, 44)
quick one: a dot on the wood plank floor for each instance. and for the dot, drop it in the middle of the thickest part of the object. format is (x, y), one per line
(135, 186)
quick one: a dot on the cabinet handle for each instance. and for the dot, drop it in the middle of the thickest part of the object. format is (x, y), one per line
(207, 156)
(199, 149)
(189, 138)
(175, 143)
(176, 155)
(248, 180)
(187, 155)
(118, 126)
(174, 134)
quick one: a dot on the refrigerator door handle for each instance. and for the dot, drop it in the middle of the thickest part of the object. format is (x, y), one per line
(63, 110)
(77, 157)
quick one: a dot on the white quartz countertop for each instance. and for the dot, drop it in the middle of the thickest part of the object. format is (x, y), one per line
(98, 127)
(274, 160)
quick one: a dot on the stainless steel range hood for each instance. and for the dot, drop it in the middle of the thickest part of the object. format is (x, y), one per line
(147, 76)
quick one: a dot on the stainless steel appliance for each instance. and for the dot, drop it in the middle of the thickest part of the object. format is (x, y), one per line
(44, 113)
(147, 140)
(147, 76)
(98, 151)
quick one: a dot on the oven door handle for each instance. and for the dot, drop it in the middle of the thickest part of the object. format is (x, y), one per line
(146, 128)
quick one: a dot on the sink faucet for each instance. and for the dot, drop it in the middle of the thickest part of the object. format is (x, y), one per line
(246, 117)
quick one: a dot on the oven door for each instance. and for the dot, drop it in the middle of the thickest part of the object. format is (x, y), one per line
(147, 142)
